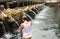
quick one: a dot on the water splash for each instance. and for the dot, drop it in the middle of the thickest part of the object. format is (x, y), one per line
(8, 36)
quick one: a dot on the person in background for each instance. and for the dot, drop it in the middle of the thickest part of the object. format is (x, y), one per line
(25, 28)
(2, 8)
(2, 11)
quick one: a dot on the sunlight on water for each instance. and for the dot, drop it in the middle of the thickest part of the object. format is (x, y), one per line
(36, 22)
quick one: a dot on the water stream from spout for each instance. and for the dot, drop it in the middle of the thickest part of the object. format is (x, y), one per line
(9, 35)
(28, 16)
(3, 27)
(5, 36)
(15, 21)
(37, 10)
(33, 12)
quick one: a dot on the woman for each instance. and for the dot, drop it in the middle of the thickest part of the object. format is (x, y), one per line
(25, 28)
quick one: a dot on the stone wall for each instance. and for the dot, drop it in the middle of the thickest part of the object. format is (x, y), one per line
(23, 0)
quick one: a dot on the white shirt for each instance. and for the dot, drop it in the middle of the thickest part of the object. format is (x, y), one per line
(27, 30)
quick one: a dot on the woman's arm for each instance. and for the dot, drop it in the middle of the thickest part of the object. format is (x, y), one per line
(30, 23)
(21, 27)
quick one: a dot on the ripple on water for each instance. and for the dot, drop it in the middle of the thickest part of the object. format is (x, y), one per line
(44, 25)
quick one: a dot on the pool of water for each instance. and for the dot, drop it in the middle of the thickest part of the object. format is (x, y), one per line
(45, 24)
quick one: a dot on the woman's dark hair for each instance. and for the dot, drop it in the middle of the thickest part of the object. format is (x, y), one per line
(25, 18)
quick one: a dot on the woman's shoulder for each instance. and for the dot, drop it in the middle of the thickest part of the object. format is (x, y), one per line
(30, 22)
(22, 23)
